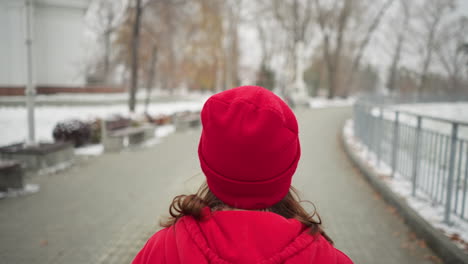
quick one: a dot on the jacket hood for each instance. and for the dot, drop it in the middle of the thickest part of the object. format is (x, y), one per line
(247, 236)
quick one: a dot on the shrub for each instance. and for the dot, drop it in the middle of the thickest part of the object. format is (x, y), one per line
(96, 131)
(75, 131)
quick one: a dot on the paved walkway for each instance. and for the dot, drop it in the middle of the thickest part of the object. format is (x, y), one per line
(103, 209)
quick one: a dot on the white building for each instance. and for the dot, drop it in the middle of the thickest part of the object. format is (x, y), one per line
(58, 42)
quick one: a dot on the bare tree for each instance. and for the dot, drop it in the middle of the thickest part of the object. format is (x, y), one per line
(332, 21)
(433, 14)
(231, 51)
(294, 17)
(166, 25)
(450, 51)
(261, 16)
(401, 38)
(109, 15)
(151, 76)
(374, 24)
(267, 51)
(346, 28)
(189, 38)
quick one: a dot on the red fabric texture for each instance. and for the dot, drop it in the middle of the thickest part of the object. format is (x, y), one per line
(238, 237)
(249, 147)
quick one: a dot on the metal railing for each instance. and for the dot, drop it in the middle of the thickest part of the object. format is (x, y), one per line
(434, 158)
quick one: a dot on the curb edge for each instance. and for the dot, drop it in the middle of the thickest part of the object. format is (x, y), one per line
(435, 239)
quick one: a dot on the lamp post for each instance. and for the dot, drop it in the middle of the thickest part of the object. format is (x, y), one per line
(30, 87)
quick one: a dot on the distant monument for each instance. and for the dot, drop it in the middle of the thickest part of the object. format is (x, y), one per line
(299, 92)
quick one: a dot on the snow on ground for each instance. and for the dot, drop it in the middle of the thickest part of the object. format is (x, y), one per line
(160, 132)
(27, 189)
(56, 168)
(105, 97)
(98, 149)
(433, 214)
(13, 119)
(163, 131)
(322, 102)
(90, 150)
(13, 122)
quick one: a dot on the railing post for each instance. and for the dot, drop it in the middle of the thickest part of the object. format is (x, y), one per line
(396, 141)
(380, 131)
(367, 131)
(448, 200)
(371, 131)
(357, 120)
(416, 156)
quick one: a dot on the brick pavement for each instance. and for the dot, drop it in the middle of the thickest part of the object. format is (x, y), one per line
(103, 209)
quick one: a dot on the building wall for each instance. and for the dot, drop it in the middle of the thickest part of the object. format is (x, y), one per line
(12, 46)
(58, 43)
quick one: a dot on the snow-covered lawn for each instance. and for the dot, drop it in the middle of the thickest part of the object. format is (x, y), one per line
(452, 111)
(13, 124)
(106, 97)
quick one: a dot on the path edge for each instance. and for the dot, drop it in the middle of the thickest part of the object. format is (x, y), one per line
(435, 239)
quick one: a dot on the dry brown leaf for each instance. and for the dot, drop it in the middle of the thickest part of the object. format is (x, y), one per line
(422, 244)
(455, 237)
(44, 243)
(433, 258)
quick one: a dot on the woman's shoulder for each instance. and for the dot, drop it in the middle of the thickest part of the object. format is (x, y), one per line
(149, 251)
(159, 236)
(341, 258)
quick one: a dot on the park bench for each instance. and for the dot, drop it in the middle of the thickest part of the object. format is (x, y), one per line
(40, 156)
(11, 175)
(117, 133)
(186, 120)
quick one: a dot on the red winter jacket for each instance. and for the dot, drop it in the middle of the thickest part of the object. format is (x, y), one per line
(238, 237)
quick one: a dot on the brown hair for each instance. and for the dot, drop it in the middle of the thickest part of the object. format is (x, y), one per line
(288, 207)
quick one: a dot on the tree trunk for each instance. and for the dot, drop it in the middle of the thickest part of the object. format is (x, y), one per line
(151, 73)
(331, 82)
(393, 69)
(397, 55)
(107, 36)
(428, 57)
(334, 69)
(106, 56)
(135, 47)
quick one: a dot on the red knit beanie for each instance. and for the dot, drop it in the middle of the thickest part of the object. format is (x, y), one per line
(249, 147)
